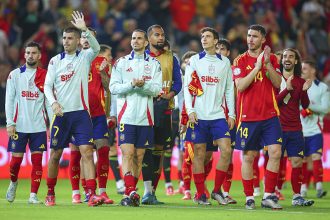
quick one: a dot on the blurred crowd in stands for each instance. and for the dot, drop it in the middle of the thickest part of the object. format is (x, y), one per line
(301, 24)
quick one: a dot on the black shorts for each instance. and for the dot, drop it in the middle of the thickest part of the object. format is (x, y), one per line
(112, 136)
(163, 133)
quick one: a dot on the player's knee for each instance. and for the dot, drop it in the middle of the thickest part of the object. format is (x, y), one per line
(56, 155)
(248, 159)
(296, 162)
(316, 156)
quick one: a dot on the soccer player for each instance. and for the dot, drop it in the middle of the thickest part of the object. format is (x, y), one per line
(67, 76)
(223, 48)
(214, 72)
(185, 161)
(136, 79)
(293, 92)
(257, 75)
(312, 123)
(164, 104)
(98, 81)
(26, 123)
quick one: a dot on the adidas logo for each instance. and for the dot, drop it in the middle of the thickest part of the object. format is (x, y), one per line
(42, 146)
(249, 67)
(91, 140)
(227, 133)
(106, 134)
(129, 70)
(104, 174)
(147, 143)
(279, 140)
(301, 153)
(144, 165)
(76, 177)
(37, 180)
(168, 139)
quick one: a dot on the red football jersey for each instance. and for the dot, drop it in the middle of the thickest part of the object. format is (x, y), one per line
(258, 101)
(95, 89)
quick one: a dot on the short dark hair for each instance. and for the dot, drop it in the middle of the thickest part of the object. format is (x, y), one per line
(258, 27)
(141, 31)
(297, 67)
(152, 27)
(73, 30)
(188, 54)
(310, 62)
(212, 30)
(33, 44)
(224, 42)
(104, 47)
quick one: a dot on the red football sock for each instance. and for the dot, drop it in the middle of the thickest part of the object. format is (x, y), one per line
(36, 173)
(83, 184)
(91, 186)
(15, 165)
(318, 171)
(296, 179)
(180, 175)
(256, 172)
(129, 180)
(281, 174)
(248, 187)
(74, 168)
(208, 168)
(199, 179)
(270, 181)
(219, 179)
(103, 166)
(186, 173)
(304, 173)
(51, 183)
(228, 179)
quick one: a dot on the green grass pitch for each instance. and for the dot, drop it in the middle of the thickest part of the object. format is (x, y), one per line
(175, 208)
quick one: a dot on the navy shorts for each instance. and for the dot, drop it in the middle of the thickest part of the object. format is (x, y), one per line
(293, 143)
(190, 135)
(100, 127)
(140, 136)
(250, 135)
(75, 124)
(206, 129)
(163, 134)
(313, 145)
(37, 142)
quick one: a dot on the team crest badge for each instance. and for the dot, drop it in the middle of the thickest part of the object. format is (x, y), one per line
(122, 137)
(54, 141)
(193, 135)
(147, 69)
(243, 143)
(69, 67)
(212, 69)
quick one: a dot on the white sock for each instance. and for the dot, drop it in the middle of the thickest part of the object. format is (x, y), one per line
(257, 189)
(249, 197)
(181, 183)
(33, 195)
(319, 186)
(120, 184)
(147, 187)
(225, 194)
(74, 192)
(168, 184)
(295, 196)
(102, 190)
(303, 187)
(266, 195)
